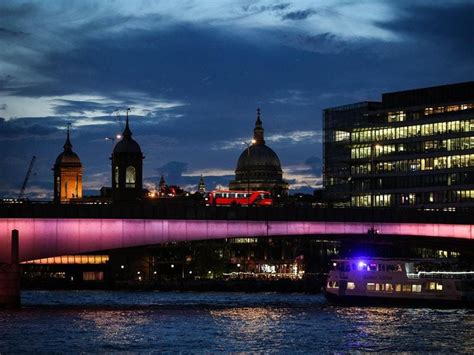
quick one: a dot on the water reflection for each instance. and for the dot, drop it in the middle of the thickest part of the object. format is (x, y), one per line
(250, 325)
(418, 329)
(115, 328)
(176, 322)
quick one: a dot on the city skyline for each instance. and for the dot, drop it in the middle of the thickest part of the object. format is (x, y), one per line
(194, 74)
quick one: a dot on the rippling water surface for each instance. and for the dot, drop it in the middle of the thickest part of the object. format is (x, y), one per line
(86, 321)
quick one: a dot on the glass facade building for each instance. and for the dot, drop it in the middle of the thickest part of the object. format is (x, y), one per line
(415, 148)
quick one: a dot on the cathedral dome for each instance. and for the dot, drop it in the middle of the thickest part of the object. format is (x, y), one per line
(259, 167)
(258, 156)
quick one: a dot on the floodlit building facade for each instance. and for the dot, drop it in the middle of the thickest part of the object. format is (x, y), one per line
(415, 148)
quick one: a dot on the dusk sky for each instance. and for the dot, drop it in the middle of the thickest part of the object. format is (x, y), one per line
(194, 73)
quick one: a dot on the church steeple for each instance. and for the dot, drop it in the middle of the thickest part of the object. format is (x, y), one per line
(67, 145)
(258, 130)
(201, 185)
(127, 133)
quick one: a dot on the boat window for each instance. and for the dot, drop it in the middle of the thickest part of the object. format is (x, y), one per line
(372, 267)
(434, 286)
(351, 285)
(398, 268)
(333, 284)
(406, 288)
(391, 268)
(370, 286)
(382, 267)
(416, 288)
(398, 288)
(389, 287)
(379, 287)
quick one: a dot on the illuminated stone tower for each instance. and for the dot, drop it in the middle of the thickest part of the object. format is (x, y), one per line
(67, 174)
(127, 168)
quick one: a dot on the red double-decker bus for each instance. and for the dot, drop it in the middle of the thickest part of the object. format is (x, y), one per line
(244, 198)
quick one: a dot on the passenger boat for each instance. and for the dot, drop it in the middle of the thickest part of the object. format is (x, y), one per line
(421, 282)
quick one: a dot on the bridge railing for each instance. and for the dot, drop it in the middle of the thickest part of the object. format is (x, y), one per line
(196, 211)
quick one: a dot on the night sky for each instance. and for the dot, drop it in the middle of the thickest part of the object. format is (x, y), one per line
(194, 73)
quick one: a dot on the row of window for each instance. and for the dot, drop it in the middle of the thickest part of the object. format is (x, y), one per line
(130, 177)
(444, 162)
(366, 151)
(388, 287)
(394, 182)
(399, 116)
(428, 129)
(386, 200)
(363, 266)
(451, 108)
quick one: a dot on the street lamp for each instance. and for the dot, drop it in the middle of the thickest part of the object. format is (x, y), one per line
(248, 144)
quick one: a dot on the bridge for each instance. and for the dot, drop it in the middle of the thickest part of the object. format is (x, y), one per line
(51, 230)
(48, 230)
(46, 237)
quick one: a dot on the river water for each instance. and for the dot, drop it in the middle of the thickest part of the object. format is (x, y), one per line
(100, 321)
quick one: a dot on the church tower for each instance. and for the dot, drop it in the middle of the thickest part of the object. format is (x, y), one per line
(127, 168)
(67, 174)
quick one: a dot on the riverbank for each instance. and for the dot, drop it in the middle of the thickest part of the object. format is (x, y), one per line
(307, 285)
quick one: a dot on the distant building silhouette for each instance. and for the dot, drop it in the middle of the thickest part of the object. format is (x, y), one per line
(201, 186)
(258, 167)
(67, 174)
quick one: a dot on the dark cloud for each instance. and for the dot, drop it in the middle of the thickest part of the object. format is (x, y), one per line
(315, 163)
(173, 170)
(8, 32)
(298, 15)
(24, 128)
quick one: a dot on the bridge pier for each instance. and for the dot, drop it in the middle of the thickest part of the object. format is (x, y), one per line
(10, 276)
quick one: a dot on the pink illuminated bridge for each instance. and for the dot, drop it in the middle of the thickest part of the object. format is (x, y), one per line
(47, 237)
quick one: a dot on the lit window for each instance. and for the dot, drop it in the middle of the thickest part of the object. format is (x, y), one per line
(370, 286)
(416, 288)
(130, 177)
(116, 176)
(341, 136)
(351, 286)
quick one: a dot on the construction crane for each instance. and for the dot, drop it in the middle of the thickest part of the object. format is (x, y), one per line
(27, 177)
